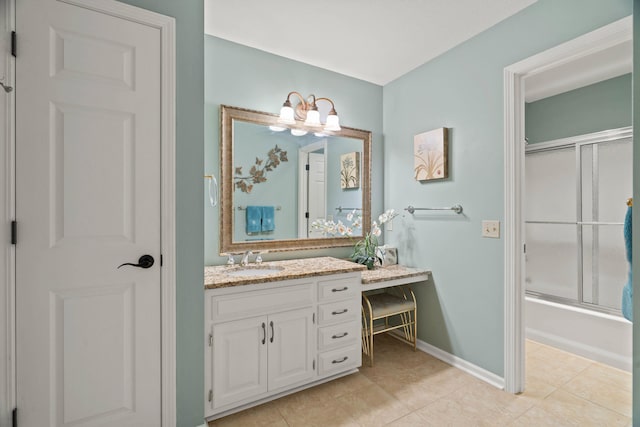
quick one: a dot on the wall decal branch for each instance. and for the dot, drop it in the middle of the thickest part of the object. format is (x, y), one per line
(257, 173)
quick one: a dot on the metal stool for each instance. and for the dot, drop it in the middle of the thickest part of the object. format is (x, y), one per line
(397, 306)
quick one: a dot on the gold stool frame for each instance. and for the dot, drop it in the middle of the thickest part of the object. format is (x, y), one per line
(408, 321)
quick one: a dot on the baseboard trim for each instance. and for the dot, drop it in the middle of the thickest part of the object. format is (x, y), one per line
(468, 367)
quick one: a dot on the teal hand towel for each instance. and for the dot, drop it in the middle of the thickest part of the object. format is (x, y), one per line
(627, 290)
(268, 222)
(254, 219)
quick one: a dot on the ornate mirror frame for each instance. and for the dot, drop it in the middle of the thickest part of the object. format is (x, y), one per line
(227, 117)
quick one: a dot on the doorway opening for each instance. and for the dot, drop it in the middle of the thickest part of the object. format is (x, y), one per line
(558, 60)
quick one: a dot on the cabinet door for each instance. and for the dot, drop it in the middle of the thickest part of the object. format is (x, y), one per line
(291, 348)
(239, 360)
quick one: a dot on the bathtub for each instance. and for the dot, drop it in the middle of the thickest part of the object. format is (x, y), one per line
(596, 336)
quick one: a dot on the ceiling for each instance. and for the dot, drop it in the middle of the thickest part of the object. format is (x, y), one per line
(372, 40)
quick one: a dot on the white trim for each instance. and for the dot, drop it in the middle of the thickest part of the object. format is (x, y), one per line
(589, 138)
(514, 95)
(166, 25)
(463, 365)
(7, 147)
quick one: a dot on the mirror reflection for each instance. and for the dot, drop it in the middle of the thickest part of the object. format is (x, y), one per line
(277, 181)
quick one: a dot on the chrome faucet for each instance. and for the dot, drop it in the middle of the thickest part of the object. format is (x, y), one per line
(245, 258)
(230, 260)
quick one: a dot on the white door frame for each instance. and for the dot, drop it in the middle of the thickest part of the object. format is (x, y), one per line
(7, 271)
(166, 27)
(514, 97)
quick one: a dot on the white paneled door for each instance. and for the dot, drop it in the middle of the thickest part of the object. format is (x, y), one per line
(88, 200)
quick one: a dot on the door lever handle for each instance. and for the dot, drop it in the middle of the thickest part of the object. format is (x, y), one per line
(145, 261)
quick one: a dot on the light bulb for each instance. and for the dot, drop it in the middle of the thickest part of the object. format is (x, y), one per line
(286, 115)
(333, 123)
(313, 118)
(298, 132)
(277, 128)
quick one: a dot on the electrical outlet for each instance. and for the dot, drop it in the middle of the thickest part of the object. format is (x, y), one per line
(491, 229)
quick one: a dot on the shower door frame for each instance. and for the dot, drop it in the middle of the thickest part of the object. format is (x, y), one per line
(577, 143)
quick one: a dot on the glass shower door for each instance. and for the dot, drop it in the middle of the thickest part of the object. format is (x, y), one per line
(574, 210)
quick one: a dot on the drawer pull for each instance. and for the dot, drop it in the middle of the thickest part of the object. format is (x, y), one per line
(339, 290)
(342, 335)
(340, 312)
(340, 360)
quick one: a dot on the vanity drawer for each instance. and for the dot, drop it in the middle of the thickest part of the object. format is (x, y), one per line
(334, 289)
(254, 303)
(338, 335)
(332, 362)
(339, 311)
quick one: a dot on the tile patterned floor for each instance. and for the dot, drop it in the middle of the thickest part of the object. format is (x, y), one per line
(414, 389)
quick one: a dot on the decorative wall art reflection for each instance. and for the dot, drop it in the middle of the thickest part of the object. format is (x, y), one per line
(430, 155)
(350, 170)
(258, 172)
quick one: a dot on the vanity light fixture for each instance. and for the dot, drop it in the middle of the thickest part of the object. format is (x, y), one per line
(307, 110)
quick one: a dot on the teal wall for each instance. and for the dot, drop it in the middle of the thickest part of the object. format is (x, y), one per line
(636, 214)
(189, 212)
(462, 308)
(600, 106)
(241, 76)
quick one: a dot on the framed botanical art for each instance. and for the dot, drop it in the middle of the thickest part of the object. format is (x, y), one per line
(350, 170)
(430, 151)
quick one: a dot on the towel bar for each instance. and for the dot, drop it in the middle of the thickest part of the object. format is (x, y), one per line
(241, 208)
(456, 208)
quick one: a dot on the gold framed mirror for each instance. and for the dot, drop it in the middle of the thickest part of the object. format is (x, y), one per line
(275, 182)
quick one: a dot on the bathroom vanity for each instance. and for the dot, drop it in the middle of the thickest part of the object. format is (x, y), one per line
(278, 327)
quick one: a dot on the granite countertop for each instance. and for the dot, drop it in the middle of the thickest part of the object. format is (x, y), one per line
(217, 276)
(391, 272)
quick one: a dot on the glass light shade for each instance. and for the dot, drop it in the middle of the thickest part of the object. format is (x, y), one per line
(298, 132)
(277, 128)
(286, 116)
(313, 118)
(333, 123)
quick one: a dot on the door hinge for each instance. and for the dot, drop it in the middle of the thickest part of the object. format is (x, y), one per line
(314, 318)
(306, 215)
(14, 417)
(210, 340)
(306, 167)
(210, 395)
(14, 232)
(524, 248)
(13, 44)
(161, 260)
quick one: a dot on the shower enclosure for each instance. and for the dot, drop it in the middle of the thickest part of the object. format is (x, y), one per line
(576, 193)
(575, 203)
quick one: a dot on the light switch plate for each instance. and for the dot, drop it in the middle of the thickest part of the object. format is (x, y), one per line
(491, 229)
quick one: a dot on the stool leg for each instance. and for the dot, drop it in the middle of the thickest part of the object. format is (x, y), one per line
(371, 338)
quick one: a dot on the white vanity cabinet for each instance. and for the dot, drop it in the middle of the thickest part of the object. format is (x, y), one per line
(339, 325)
(268, 339)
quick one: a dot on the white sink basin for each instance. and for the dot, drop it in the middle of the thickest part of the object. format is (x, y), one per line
(254, 271)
